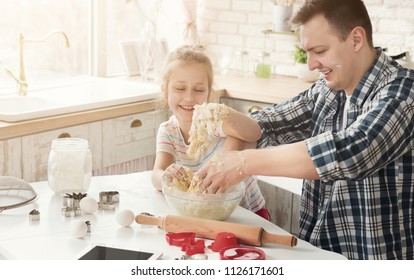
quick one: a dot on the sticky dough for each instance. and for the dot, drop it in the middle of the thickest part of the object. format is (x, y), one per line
(207, 120)
(190, 183)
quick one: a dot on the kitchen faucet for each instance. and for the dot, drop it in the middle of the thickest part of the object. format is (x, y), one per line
(21, 81)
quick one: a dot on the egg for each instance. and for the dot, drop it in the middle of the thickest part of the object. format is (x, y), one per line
(88, 205)
(125, 217)
(78, 229)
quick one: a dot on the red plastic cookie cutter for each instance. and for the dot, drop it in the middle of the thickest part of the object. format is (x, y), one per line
(223, 240)
(193, 247)
(187, 242)
(242, 253)
(177, 239)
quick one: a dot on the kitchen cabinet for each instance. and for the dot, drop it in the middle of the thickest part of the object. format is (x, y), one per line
(132, 137)
(116, 144)
(283, 206)
(10, 157)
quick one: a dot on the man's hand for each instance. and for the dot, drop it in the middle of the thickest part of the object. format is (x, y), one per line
(222, 171)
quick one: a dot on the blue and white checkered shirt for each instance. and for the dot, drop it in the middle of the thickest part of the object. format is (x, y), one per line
(363, 204)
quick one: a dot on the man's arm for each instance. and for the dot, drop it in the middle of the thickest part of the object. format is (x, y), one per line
(225, 170)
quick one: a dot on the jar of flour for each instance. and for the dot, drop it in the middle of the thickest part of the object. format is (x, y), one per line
(69, 165)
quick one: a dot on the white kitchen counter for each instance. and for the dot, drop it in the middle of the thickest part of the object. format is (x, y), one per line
(49, 238)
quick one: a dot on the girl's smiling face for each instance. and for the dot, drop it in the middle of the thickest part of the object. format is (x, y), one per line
(187, 86)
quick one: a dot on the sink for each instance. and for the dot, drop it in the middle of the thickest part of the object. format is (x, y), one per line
(73, 95)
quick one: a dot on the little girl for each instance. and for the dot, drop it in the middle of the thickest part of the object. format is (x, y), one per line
(187, 81)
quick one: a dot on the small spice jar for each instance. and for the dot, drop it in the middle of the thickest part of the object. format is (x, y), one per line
(69, 165)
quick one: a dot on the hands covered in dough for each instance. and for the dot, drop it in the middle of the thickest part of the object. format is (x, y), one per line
(175, 171)
(222, 171)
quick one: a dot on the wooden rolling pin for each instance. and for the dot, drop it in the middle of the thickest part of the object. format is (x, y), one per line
(248, 235)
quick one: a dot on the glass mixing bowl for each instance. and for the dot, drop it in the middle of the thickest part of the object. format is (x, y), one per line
(218, 206)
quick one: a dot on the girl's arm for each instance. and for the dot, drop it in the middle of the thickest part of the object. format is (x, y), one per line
(235, 144)
(162, 162)
(220, 119)
(241, 126)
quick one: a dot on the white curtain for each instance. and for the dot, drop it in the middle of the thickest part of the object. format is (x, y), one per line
(190, 35)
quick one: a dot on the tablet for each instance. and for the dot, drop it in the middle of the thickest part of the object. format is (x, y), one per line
(101, 252)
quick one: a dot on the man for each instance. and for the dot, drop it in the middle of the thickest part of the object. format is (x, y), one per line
(349, 136)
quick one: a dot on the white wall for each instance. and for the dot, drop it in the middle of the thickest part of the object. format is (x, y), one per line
(225, 24)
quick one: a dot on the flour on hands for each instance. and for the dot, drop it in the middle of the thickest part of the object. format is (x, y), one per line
(207, 120)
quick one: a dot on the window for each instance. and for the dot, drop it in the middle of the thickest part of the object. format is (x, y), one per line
(35, 19)
(141, 20)
(94, 29)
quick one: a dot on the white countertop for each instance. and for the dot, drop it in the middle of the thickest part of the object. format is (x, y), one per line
(49, 238)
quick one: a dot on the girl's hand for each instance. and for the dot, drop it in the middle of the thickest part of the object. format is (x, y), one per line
(222, 172)
(175, 170)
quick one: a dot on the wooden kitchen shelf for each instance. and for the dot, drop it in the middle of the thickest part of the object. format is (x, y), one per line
(271, 32)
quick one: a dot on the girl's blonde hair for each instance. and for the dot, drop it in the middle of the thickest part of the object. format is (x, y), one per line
(187, 54)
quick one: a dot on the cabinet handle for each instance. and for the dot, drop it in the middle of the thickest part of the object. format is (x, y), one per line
(254, 109)
(64, 135)
(136, 123)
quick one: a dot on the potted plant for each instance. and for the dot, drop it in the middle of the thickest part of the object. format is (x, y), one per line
(300, 55)
(302, 68)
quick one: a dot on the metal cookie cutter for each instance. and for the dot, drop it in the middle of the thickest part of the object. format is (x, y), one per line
(71, 204)
(88, 224)
(108, 200)
(197, 257)
(34, 215)
(72, 200)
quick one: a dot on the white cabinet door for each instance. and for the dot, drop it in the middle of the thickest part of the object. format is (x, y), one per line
(130, 137)
(283, 204)
(36, 148)
(10, 157)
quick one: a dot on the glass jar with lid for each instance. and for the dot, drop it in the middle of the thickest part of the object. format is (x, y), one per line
(263, 67)
(241, 63)
(69, 165)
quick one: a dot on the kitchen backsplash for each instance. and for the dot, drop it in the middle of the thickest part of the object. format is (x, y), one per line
(226, 26)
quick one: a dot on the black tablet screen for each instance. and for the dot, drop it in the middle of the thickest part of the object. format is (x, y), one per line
(107, 253)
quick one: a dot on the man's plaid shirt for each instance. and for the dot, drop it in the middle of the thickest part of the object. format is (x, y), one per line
(363, 204)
